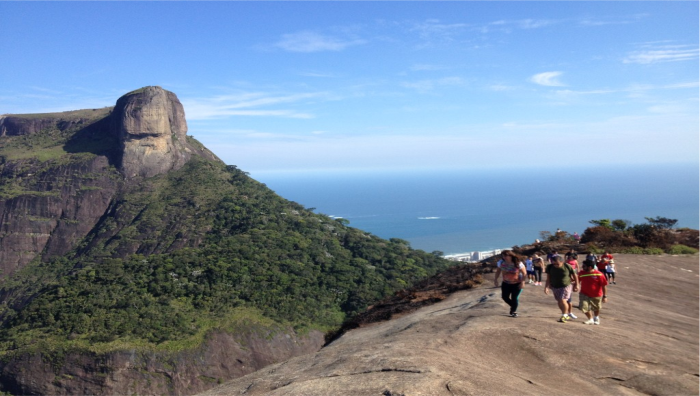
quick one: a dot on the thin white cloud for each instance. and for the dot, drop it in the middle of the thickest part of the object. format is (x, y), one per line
(603, 21)
(508, 26)
(533, 23)
(246, 104)
(308, 41)
(432, 29)
(548, 79)
(682, 85)
(434, 32)
(662, 53)
(318, 75)
(568, 92)
(501, 87)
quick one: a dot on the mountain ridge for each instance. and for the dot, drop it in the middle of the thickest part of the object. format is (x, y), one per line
(129, 250)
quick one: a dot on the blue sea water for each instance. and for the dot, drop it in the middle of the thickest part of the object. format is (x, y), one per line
(460, 211)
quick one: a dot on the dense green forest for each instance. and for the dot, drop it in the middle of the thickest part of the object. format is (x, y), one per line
(257, 254)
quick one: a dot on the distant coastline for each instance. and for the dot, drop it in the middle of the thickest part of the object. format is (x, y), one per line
(473, 257)
(461, 211)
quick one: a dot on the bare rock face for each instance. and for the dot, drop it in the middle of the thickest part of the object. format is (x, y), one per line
(151, 126)
(467, 344)
(48, 206)
(58, 208)
(221, 357)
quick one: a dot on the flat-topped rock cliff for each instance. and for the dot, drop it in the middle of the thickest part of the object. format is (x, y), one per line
(150, 123)
(60, 172)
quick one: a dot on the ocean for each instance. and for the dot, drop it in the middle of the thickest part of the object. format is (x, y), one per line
(458, 211)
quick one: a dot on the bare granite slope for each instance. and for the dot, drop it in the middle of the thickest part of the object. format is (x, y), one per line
(466, 344)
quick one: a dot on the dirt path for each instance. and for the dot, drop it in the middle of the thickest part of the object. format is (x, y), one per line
(468, 345)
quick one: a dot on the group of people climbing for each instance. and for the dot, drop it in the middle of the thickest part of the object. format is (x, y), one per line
(563, 278)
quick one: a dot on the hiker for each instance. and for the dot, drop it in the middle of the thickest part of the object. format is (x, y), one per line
(530, 270)
(591, 257)
(573, 262)
(610, 272)
(514, 276)
(571, 254)
(594, 288)
(551, 256)
(603, 262)
(538, 266)
(577, 238)
(560, 277)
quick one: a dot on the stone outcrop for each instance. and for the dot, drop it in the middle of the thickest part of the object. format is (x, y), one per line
(49, 206)
(467, 344)
(18, 126)
(151, 126)
(223, 356)
(57, 208)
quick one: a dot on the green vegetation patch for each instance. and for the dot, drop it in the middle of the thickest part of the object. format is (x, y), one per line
(68, 115)
(262, 264)
(682, 249)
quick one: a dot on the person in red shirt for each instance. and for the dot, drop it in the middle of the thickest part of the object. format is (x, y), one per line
(607, 259)
(594, 289)
(603, 261)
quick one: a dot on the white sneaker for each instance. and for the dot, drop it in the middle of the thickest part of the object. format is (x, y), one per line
(589, 322)
(596, 321)
(572, 316)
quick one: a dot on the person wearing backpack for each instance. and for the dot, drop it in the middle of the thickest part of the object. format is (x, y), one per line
(514, 275)
(560, 277)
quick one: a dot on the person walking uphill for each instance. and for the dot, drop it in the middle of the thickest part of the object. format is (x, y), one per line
(538, 266)
(514, 276)
(594, 288)
(560, 277)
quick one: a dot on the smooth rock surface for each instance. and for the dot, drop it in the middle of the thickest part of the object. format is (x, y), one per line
(647, 343)
(151, 126)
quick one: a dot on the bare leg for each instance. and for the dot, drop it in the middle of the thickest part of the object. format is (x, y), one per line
(564, 306)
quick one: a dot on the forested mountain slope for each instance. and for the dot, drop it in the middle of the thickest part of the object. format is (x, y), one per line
(135, 261)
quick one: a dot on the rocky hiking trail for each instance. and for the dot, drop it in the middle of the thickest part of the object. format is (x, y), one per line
(466, 344)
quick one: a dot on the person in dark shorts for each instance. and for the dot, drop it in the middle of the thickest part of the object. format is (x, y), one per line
(610, 271)
(514, 275)
(561, 279)
(530, 270)
(538, 267)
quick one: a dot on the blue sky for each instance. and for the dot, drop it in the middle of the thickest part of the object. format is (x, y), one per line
(272, 86)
